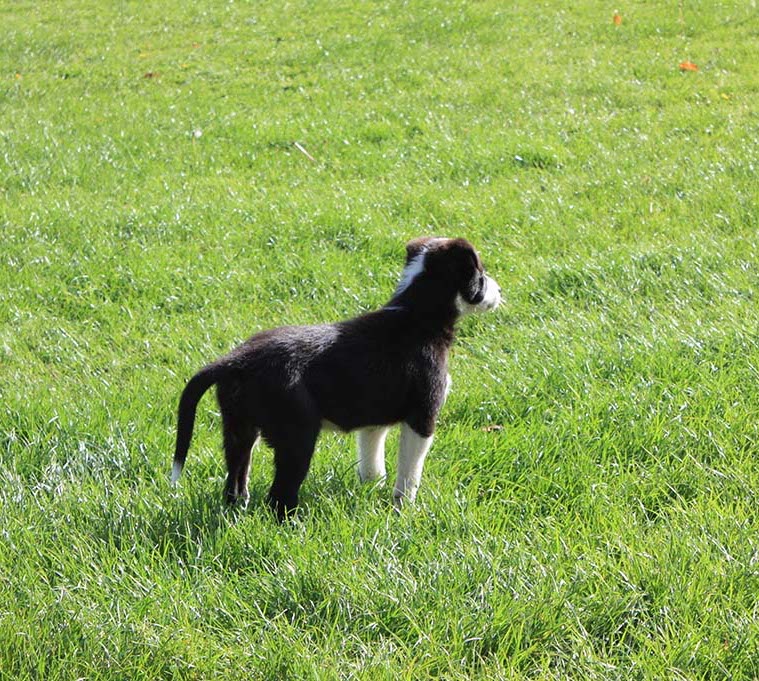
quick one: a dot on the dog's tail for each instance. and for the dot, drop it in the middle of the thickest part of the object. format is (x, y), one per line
(194, 390)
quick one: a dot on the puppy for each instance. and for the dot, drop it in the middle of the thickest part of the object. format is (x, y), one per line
(365, 374)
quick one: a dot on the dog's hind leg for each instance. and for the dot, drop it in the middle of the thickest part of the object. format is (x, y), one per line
(292, 458)
(371, 453)
(239, 439)
(412, 452)
(293, 445)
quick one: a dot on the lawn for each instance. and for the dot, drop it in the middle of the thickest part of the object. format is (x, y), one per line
(177, 176)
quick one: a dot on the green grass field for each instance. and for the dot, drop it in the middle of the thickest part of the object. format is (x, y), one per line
(589, 508)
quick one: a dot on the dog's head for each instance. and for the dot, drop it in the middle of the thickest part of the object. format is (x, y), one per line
(451, 268)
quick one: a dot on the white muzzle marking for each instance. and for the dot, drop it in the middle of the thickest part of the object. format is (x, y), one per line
(490, 301)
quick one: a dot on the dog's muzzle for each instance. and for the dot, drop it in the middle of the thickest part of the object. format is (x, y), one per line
(488, 297)
(491, 295)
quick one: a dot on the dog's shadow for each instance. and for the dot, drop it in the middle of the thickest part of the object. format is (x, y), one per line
(181, 524)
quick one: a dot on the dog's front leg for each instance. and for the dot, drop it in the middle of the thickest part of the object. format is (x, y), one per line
(412, 452)
(371, 453)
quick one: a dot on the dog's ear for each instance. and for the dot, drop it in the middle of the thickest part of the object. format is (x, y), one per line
(416, 246)
(465, 258)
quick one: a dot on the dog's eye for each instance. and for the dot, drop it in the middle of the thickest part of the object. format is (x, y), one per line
(476, 289)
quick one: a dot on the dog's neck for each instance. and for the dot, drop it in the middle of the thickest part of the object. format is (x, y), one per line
(433, 317)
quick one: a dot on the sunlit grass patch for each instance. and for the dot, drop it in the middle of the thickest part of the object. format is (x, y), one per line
(176, 179)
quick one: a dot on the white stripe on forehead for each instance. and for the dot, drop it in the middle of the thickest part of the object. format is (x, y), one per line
(415, 266)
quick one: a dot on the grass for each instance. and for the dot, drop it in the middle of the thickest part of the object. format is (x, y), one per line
(589, 506)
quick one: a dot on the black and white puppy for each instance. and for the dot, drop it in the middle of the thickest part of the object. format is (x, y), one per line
(366, 374)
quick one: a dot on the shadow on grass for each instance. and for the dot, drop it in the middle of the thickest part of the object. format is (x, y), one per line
(182, 524)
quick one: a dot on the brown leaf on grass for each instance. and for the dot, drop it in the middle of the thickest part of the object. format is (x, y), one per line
(617, 19)
(152, 74)
(491, 429)
(688, 66)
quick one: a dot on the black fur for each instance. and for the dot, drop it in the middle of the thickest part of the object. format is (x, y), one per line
(384, 367)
